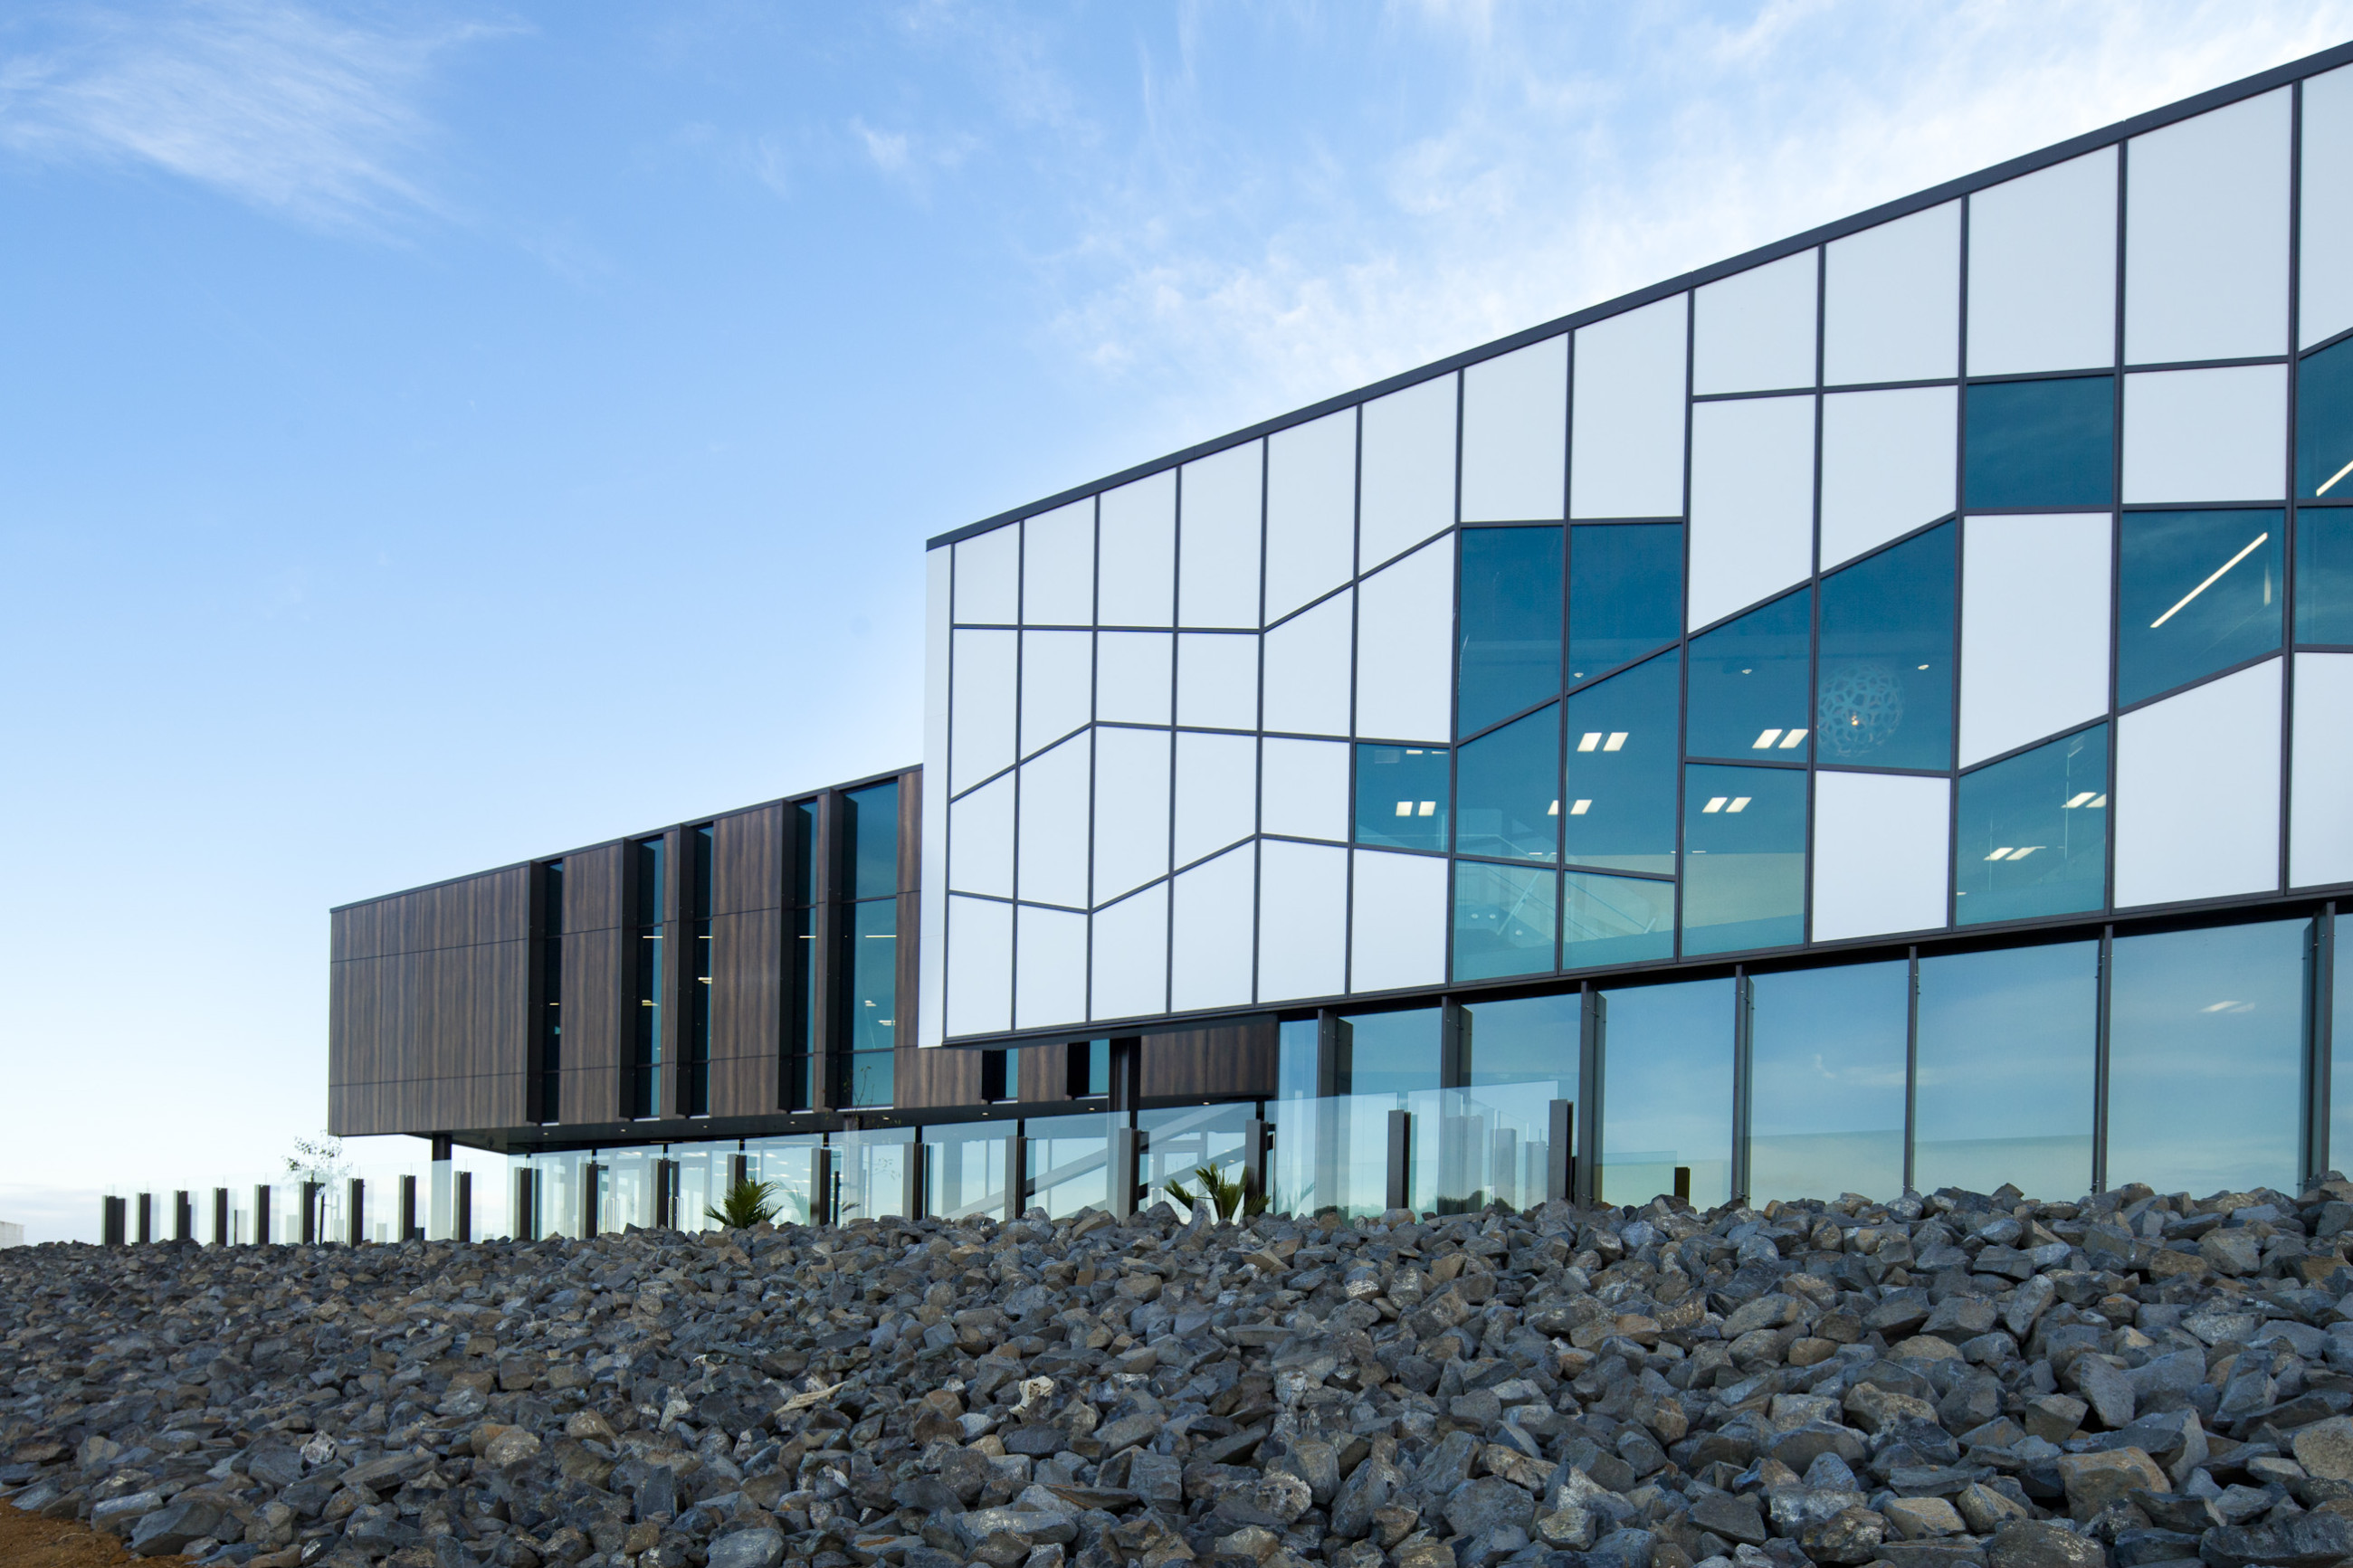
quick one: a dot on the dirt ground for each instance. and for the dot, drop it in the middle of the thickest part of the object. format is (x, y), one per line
(28, 1541)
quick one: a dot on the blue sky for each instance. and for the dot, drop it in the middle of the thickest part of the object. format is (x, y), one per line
(434, 435)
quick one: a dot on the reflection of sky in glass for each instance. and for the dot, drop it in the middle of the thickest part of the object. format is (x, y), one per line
(1667, 1090)
(1392, 1053)
(1525, 1040)
(2205, 1048)
(2005, 1065)
(1826, 1082)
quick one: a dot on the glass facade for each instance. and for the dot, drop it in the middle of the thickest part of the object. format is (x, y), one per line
(1507, 790)
(2007, 1070)
(2197, 592)
(1505, 920)
(870, 947)
(1748, 683)
(649, 894)
(1401, 796)
(1617, 811)
(1744, 857)
(1666, 1068)
(1509, 657)
(550, 1023)
(1625, 594)
(2035, 444)
(2324, 575)
(1884, 696)
(1615, 919)
(1826, 1065)
(2032, 833)
(2323, 424)
(694, 1061)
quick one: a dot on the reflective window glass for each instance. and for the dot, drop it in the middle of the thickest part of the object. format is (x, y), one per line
(1625, 594)
(1885, 692)
(2032, 835)
(1748, 684)
(966, 1167)
(1826, 1068)
(2197, 592)
(1744, 859)
(1070, 1162)
(2323, 576)
(1616, 919)
(1618, 809)
(2205, 1058)
(874, 838)
(2004, 1086)
(1510, 613)
(1529, 1039)
(873, 940)
(1507, 790)
(1504, 919)
(1401, 796)
(2039, 443)
(1666, 1071)
(1295, 1044)
(1389, 1053)
(867, 1077)
(2323, 424)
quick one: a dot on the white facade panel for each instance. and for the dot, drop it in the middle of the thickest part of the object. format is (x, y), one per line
(1217, 793)
(1626, 439)
(1892, 300)
(1405, 623)
(984, 690)
(1131, 810)
(1307, 664)
(2034, 629)
(1311, 510)
(1136, 543)
(1050, 984)
(1754, 332)
(2042, 270)
(1133, 677)
(2206, 435)
(1216, 679)
(2325, 232)
(2206, 235)
(1888, 460)
(1303, 920)
(1057, 677)
(1881, 843)
(1397, 937)
(980, 853)
(1051, 861)
(988, 577)
(1130, 956)
(1218, 538)
(1516, 433)
(2196, 799)
(939, 588)
(2320, 779)
(1211, 938)
(1752, 517)
(1303, 788)
(1409, 470)
(979, 967)
(1058, 566)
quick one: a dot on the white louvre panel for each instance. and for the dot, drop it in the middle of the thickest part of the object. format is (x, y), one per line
(2042, 270)
(1218, 539)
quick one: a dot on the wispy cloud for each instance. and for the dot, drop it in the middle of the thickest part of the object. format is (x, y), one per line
(283, 106)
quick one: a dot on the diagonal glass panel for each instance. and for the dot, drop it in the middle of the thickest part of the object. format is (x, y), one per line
(1615, 919)
(1625, 594)
(2196, 591)
(2032, 833)
(1509, 651)
(1507, 790)
(2323, 424)
(1885, 697)
(1749, 687)
(1618, 808)
(1504, 919)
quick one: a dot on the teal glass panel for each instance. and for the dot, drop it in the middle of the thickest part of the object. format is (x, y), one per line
(1744, 859)
(873, 931)
(2323, 424)
(874, 830)
(1625, 594)
(1295, 1070)
(1750, 685)
(2197, 592)
(1527, 1040)
(1389, 1053)
(1666, 1090)
(1401, 796)
(2032, 833)
(2323, 576)
(1884, 691)
(1504, 920)
(1826, 1067)
(2004, 1075)
(869, 1077)
(1615, 919)
(2206, 1038)
(2039, 443)
(1507, 790)
(1510, 618)
(1618, 808)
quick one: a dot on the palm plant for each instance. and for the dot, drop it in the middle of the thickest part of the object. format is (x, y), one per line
(748, 1203)
(1228, 1197)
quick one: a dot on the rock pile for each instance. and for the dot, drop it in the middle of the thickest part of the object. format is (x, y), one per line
(1960, 1380)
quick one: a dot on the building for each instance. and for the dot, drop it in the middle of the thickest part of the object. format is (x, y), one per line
(1874, 711)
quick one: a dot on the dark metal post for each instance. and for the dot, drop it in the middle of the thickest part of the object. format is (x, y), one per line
(110, 1222)
(1257, 1149)
(1017, 1174)
(408, 1208)
(916, 1177)
(261, 1214)
(464, 1219)
(355, 1223)
(526, 1204)
(146, 1231)
(1398, 1191)
(1123, 1156)
(220, 1217)
(739, 1169)
(1683, 1184)
(821, 1188)
(310, 1191)
(591, 1197)
(183, 1216)
(1560, 1154)
(1592, 1092)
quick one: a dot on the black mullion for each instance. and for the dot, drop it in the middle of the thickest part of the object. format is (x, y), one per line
(1257, 766)
(2115, 623)
(1453, 712)
(1683, 644)
(2288, 515)
(1742, 1087)
(2323, 1036)
(1960, 610)
(1813, 591)
(1560, 673)
(1355, 614)
(1912, 1047)
(2100, 1011)
(2056, 735)
(1168, 861)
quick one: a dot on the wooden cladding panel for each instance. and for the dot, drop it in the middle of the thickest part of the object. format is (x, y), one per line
(457, 1011)
(936, 1077)
(447, 1104)
(1239, 1061)
(748, 861)
(592, 890)
(746, 1002)
(492, 907)
(595, 988)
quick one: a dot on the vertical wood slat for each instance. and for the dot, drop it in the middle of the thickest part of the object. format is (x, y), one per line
(748, 861)
(1236, 1061)
(746, 1011)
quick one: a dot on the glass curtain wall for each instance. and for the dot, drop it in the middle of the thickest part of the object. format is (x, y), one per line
(1666, 1075)
(1827, 1051)
(870, 946)
(966, 1171)
(871, 1167)
(1178, 1143)
(2007, 1070)
(788, 1165)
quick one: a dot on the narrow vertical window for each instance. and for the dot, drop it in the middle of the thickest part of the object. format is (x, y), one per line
(800, 957)
(694, 1068)
(551, 990)
(870, 942)
(646, 1041)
